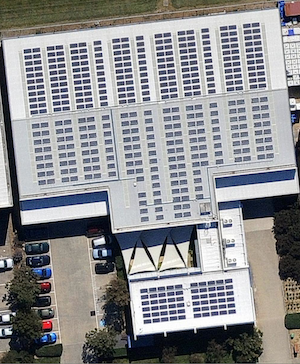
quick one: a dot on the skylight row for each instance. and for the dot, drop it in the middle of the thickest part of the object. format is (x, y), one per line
(81, 75)
(207, 56)
(166, 66)
(43, 155)
(231, 58)
(35, 81)
(142, 68)
(58, 78)
(101, 80)
(189, 63)
(88, 135)
(123, 71)
(254, 56)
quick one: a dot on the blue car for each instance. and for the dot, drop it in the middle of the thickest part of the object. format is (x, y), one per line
(47, 339)
(42, 273)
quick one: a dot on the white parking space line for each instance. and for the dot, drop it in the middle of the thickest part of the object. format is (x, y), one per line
(93, 282)
(54, 291)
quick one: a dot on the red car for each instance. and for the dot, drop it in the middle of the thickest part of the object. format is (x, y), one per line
(47, 325)
(45, 287)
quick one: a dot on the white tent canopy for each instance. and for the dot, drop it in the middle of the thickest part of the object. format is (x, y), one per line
(171, 257)
(141, 262)
(154, 239)
(181, 237)
(127, 242)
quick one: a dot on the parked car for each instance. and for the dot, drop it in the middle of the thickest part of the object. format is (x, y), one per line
(6, 332)
(37, 248)
(93, 231)
(45, 313)
(42, 273)
(101, 240)
(102, 253)
(38, 261)
(47, 339)
(6, 263)
(5, 317)
(103, 268)
(45, 287)
(42, 301)
(47, 325)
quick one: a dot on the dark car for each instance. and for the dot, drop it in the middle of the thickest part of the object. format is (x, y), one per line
(45, 313)
(94, 231)
(103, 268)
(37, 248)
(42, 301)
(38, 261)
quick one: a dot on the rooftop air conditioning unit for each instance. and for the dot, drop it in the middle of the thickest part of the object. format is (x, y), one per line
(227, 222)
(231, 261)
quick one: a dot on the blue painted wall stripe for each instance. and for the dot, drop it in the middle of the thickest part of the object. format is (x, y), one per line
(46, 203)
(256, 178)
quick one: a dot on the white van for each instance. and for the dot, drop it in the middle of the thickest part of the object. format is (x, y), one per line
(101, 240)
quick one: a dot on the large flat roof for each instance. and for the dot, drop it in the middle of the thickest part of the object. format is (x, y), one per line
(145, 111)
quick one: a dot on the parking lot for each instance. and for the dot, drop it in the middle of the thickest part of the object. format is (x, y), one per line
(5, 277)
(79, 292)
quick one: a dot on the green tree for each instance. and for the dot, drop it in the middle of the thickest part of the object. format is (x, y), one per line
(168, 354)
(117, 298)
(289, 267)
(117, 292)
(27, 327)
(22, 289)
(215, 352)
(13, 356)
(247, 348)
(99, 345)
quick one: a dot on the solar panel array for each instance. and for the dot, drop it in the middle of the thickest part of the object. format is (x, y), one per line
(172, 302)
(168, 160)
(162, 304)
(151, 108)
(213, 298)
(78, 73)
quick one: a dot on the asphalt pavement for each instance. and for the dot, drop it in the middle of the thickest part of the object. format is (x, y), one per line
(268, 291)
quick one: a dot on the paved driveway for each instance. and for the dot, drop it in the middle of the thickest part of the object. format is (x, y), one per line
(267, 291)
(74, 292)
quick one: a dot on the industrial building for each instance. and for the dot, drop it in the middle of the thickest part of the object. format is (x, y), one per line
(165, 126)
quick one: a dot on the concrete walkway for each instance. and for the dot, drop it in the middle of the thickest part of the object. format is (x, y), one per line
(268, 291)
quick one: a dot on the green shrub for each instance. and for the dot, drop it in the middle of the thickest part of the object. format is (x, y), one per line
(120, 352)
(292, 321)
(51, 351)
(197, 358)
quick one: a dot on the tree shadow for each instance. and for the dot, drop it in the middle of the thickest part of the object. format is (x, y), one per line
(113, 316)
(88, 356)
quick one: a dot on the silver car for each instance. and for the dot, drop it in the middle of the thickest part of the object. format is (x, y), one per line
(6, 263)
(6, 332)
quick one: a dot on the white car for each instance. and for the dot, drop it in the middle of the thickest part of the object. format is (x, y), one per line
(6, 263)
(6, 332)
(5, 317)
(101, 240)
